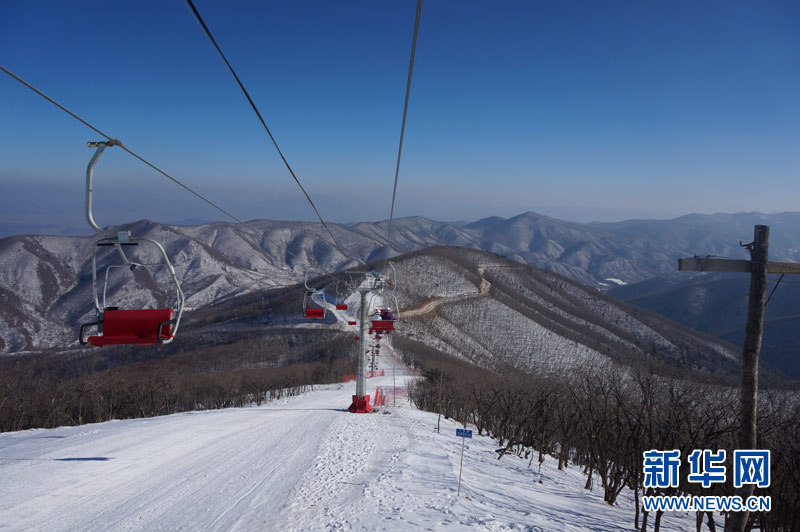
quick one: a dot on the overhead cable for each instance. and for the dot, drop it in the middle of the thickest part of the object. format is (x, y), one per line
(109, 137)
(260, 118)
(403, 126)
(773, 289)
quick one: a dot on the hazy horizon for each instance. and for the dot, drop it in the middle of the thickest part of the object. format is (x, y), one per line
(581, 111)
(61, 209)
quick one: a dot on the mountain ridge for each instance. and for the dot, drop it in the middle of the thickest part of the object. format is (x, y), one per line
(45, 290)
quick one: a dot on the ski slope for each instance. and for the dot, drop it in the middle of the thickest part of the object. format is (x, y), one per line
(301, 463)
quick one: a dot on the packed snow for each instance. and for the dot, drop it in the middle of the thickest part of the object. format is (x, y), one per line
(302, 463)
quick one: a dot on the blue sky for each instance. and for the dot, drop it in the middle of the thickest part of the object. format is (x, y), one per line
(577, 110)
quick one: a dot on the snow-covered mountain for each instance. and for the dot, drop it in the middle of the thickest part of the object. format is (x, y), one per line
(490, 311)
(45, 289)
(717, 304)
(494, 311)
(45, 281)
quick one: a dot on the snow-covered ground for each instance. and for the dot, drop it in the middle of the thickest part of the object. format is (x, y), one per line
(302, 463)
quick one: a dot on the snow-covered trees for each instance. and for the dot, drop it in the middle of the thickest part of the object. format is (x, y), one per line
(603, 418)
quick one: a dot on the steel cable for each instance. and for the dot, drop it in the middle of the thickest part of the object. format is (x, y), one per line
(260, 118)
(403, 128)
(109, 137)
(118, 143)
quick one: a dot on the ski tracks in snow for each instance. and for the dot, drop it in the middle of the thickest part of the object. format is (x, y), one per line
(219, 470)
(333, 492)
(302, 463)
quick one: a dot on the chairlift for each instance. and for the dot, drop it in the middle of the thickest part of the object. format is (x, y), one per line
(130, 326)
(384, 325)
(316, 313)
(340, 304)
(386, 282)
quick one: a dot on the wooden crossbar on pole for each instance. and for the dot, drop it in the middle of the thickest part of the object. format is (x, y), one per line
(699, 264)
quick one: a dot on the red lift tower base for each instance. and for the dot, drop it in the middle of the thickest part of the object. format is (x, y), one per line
(360, 405)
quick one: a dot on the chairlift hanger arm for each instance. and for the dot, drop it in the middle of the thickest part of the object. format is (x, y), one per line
(306, 277)
(100, 147)
(394, 277)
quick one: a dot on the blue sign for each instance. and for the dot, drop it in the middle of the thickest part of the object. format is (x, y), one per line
(463, 433)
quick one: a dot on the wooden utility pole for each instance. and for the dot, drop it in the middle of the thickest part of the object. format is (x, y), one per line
(758, 266)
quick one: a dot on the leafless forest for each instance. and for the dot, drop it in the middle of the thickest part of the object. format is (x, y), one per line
(602, 418)
(51, 390)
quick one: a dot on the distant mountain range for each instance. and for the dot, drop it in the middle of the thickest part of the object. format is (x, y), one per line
(717, 304)
(45, 288)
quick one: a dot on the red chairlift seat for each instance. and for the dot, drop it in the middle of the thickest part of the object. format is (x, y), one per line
(315, 313)
(341, 306)
(132, 327)
(351, 323)
(379, 326)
